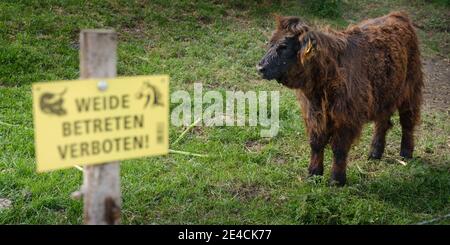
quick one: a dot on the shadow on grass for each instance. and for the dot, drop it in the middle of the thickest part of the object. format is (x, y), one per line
(422, 187)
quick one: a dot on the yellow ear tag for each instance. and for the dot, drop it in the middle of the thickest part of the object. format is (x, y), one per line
(308, 47)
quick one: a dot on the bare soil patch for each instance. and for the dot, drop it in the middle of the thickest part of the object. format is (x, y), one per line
(437, 84)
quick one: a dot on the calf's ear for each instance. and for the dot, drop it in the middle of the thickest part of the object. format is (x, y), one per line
(291, 24)
(308, 50)
(278, 21)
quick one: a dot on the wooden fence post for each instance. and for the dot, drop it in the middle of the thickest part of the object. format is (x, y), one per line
(101, 183)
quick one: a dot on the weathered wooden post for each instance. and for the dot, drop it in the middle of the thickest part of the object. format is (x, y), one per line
(101, 183)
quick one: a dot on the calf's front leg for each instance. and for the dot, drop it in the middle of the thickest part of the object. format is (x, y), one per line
(340, 144)
(379, 138)
(317, 143)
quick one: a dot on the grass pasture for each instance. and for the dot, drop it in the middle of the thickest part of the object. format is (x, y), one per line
(245, 179)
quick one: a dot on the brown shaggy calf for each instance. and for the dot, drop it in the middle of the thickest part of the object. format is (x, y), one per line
(346, 79)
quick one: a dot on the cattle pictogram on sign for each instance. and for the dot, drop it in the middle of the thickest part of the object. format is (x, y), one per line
(52, 103)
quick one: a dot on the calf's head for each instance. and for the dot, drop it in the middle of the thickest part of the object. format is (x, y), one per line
(289, 51)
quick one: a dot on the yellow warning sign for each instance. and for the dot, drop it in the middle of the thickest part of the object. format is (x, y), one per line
(94, 121)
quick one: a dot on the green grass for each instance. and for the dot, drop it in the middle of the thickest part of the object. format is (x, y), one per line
(217, 44)
(324, 8)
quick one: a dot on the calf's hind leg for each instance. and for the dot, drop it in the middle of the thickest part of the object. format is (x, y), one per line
(379, 138)
(409, 116)
(409, 110)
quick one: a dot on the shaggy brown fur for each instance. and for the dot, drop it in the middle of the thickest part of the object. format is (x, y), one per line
(346, 79)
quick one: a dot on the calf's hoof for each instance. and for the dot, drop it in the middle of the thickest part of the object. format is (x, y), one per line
(376, 155)
(338, 179)
(315, 171)
(406, 153)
